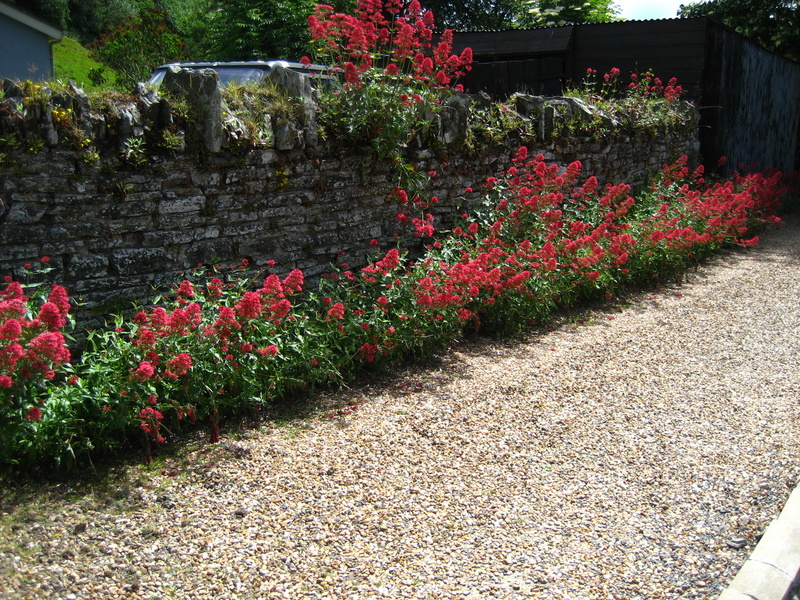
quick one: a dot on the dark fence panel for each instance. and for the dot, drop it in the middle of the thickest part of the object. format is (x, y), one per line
(668, 48)
(760, 97)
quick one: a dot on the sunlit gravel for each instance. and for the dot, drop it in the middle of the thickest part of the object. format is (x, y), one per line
(637, 452)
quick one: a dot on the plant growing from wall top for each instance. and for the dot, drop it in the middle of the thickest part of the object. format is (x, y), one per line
(645, 103)
(394, 74)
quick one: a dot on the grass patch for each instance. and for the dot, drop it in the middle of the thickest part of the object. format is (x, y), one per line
(72, 61)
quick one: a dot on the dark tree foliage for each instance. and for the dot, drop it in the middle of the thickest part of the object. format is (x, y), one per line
(55, 12)
(774, 24)
(555, 13)
(474, 15)
(255, 29)
(138, 45)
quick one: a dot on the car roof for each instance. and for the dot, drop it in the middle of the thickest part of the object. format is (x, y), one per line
(243, 70)
(244, 63)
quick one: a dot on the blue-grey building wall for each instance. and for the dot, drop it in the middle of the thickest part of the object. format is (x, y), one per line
(24, 52)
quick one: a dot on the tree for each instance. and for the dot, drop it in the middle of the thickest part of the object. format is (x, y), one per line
(191, 19)
(774, 24)
(55, 12)
(471, 15)
(555, 13)
(138, 45)
(255, 29)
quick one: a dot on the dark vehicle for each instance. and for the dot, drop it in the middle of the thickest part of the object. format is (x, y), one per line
(248, 72)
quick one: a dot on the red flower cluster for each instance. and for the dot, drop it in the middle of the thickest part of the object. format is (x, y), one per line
(151, 424)
(648, 84)
(385, 35)
(31, 347)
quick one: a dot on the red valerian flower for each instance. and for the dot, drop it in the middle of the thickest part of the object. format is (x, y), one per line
(51, 346)
(336, 311)
(350, 74)
(225, 323)
(185, 289)
(271, 350)
(145, 339)
(368, 352)
(293, 282)
(152, 423)
(272, 287)
(180, 364)
(159, 317)
(215, 287)
(144, 371)
(14, 291)
(59, 297)
(389, 262)
(249, 307)
(11, 330)
(10, 356)
(280, 309)
(51, 316)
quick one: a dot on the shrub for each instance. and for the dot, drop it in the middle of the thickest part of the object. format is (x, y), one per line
(394, 76)
(645, 103)
(223, 343)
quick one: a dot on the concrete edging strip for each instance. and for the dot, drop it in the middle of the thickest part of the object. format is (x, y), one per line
(774, 565)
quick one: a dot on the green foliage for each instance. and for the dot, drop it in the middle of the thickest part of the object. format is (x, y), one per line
(644, 103)
(378, 114)
(492, 126)
(139, 45)
(191, 19)
(252, 29)
(555, 13)
(251, 109)
(466, 15)
(55, 12)
(775, 24)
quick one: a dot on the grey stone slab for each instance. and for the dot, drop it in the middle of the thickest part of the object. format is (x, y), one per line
(774, 565)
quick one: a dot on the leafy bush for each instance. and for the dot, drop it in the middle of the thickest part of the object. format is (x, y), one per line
(645, 103)
(247, 29)
(137, 46)
(394, 77)
(225, 343)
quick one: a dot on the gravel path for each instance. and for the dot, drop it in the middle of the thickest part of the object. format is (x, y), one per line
(625, 454)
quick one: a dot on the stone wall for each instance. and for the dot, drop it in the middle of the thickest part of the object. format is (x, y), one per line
(116, 229)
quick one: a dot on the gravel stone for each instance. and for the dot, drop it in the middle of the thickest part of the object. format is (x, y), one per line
(635, 452)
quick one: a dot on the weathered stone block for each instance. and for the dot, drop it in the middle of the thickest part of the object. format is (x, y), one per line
(137, 261)
(88, 266)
